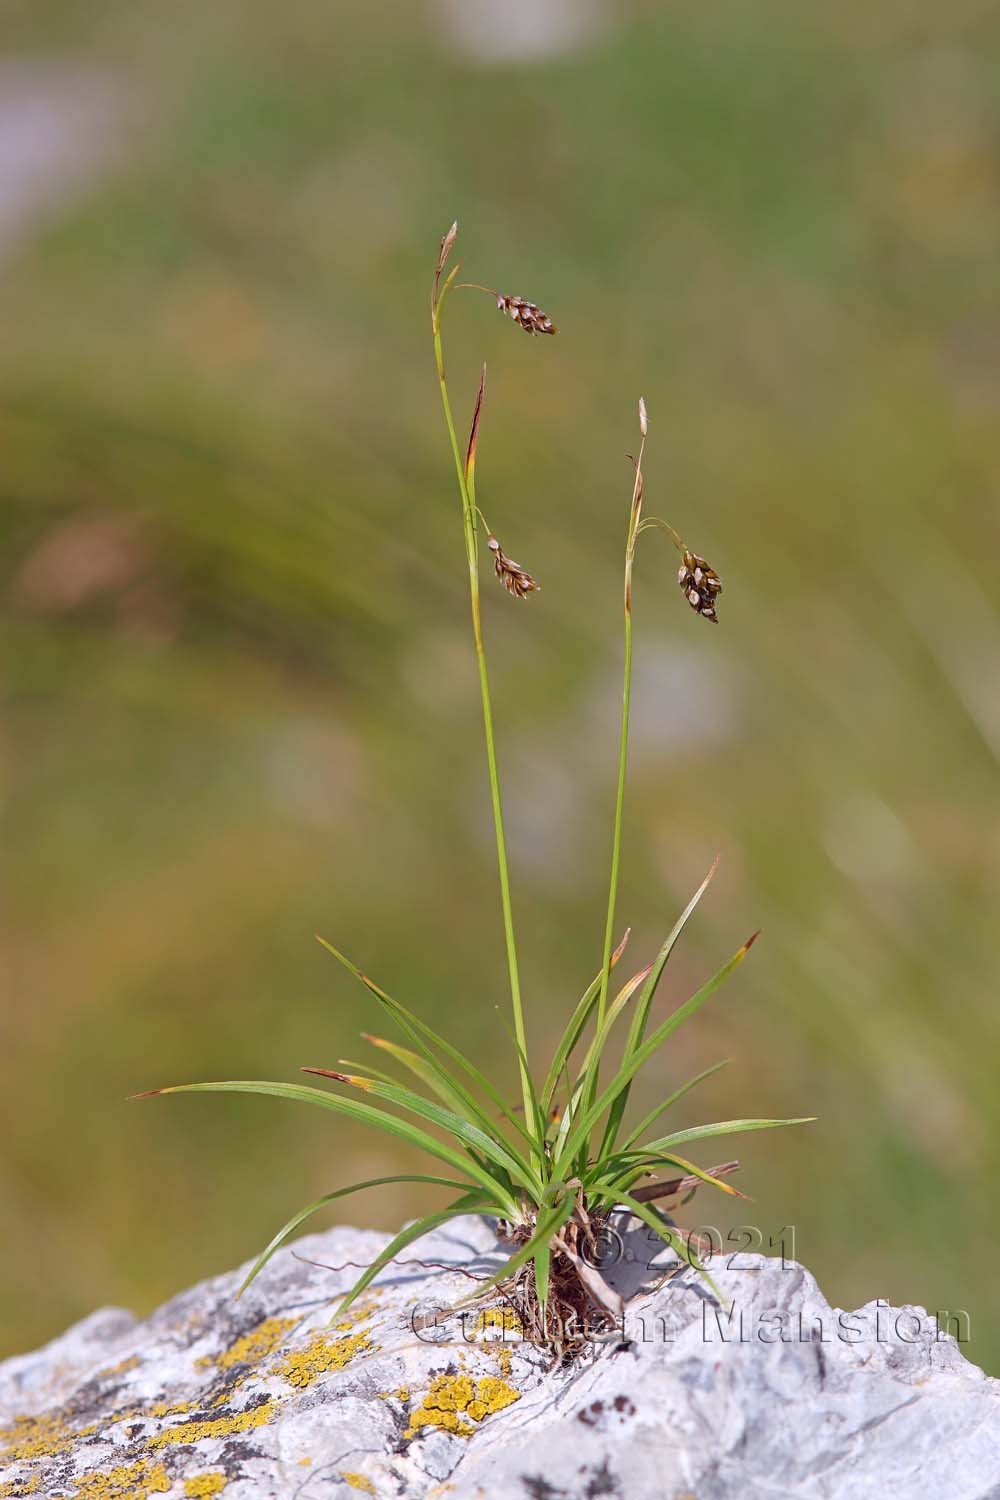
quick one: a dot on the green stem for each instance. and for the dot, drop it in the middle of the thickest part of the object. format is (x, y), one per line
(616, 846)
(472, 553)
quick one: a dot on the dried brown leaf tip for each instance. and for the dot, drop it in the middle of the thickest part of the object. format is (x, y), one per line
(513, 577)
(447, 241)
(528, 314)
(701, 585)
(470, 452)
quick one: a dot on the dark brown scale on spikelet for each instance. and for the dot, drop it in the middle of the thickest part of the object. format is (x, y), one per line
(515, 579)
(528, 314)
(701, 585)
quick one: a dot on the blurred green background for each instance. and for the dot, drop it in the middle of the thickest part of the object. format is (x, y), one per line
(239, 705)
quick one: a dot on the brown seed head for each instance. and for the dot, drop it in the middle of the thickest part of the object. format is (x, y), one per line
(513, 577)
(528, 314)
(701, 585)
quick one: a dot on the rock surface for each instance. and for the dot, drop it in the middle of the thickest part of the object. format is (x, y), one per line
(780, 1397)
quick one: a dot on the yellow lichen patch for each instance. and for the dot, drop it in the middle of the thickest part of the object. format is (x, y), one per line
(358, 1482)
(204, 1486)
(16, 1488)
(224, 1397)
(193, 1432)
(357, 1315)
(253, 1346)
(40, 1437)
(452, 1398)
(124, 1482)
(122, 1368)
(320, 1356)
(165, 1409)
(492, 1394)
(503, 1319)
(402, 1393)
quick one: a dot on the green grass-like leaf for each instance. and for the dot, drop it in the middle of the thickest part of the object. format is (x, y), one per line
(467, 1204)
(721, 1127)
(649, 1120)
(637, 1029)
(365, 1114)
(297, 1220)
(480, 1142)
(640, 1054)
(425, 1039)
(575, 1028)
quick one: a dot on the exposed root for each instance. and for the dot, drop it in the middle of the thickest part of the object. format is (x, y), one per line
(582, 1311)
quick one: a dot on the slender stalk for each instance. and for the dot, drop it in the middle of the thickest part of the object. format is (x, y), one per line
(616, 846)
(467, 490)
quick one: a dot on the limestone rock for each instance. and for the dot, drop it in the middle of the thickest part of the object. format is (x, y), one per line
(780, 1396)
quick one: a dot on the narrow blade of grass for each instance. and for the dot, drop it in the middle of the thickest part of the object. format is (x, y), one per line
(529, 1087)
(671, 1099)
(446, 1119)
(624, 1169)
(424, 1038)
(412, 1061)
(548, 1223)
(671, 1237)
(637, 1030)
(358, 1067)
(615, 1009)
(405, 1237)
(543, 1262)
(575, 1028)
(578, 1091)
(640, 1055)
(306, 1213)
(364, 1114)
(721, 1127)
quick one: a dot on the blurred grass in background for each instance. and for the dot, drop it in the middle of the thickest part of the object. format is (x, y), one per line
(238, 699)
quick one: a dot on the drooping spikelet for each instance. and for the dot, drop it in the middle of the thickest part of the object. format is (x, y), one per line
(515, 579)
(528, 314)
(701, 585)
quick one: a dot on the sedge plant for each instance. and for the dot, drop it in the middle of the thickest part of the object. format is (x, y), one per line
(552, 1168)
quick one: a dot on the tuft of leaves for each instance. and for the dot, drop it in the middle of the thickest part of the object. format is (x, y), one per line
(554, 1169)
